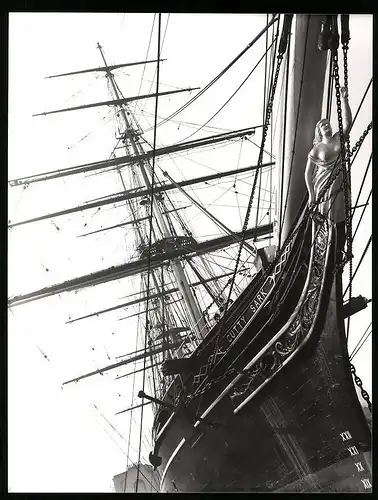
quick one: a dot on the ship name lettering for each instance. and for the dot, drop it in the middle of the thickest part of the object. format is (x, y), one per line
(345, 435)
(366, 483)
(353, 451)
(258, 301)
(236, 329)
(359, 466)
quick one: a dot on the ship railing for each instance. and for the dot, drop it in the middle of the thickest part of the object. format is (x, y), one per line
(309, 301)
(296, 332)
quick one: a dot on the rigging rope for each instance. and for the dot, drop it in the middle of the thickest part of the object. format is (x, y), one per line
(259, 173)
(131, 414)
(149, 247)
(161, 50)
(218, 76)
(363, 211)
(361, 342)
(362, 185)
(265, 68)
(358, 265)
(345, 148)
(144, 67)
(228, 100)
(281, 51)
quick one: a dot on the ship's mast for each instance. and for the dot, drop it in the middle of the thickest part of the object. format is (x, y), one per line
(305, 84)
(196, 320)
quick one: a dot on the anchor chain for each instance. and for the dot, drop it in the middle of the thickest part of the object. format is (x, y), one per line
(345, 157)
(358, 382)
(361, 139)
(345, 165)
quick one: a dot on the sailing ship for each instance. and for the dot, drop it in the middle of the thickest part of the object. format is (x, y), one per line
(240, 357)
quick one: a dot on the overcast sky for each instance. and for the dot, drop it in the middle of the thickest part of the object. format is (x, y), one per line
(57, 441)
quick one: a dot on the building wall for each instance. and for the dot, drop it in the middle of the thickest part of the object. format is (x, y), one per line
(148, 481)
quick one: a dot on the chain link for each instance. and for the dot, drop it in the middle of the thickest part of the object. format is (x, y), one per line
(361, 139)
(345, 165)
(358, 382)
(344, 159)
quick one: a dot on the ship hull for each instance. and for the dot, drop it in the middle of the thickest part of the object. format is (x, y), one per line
(305, 431)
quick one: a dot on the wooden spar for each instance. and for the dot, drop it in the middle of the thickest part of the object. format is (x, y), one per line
(133, 407)
(127, 304)
(216, 299)
(143, 299)
(132, 190)
(156, 346)
(113, 227)
(129, 222)
(138, 194)
(139, 266)
(138, 313)
(188, 206)
(115, 102)
(124, 160)
(149, 309)
(211, 216)
(105, 68)
(213, 278)
(125, 362)
(304, 108)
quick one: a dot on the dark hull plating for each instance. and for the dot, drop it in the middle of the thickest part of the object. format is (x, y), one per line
(305, 431)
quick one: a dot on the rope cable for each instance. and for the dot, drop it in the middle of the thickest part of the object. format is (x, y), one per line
(149, 245)
(362, 184)
(148, 50)
(228, 100)
(265, 130)
(362, 214)
(161, 50)
(260, 172)
(365, 339)
(358, 343)
(218, 76)
(358, 265)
